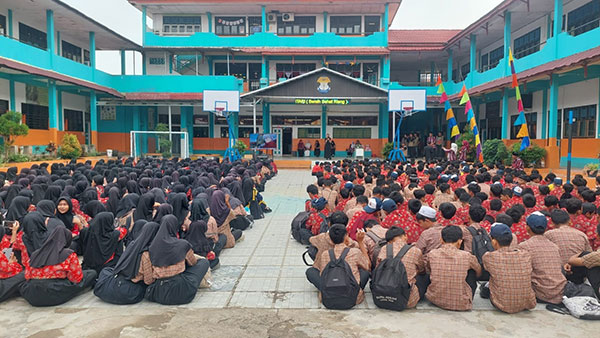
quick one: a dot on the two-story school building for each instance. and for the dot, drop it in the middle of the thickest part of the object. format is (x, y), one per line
(304, 69)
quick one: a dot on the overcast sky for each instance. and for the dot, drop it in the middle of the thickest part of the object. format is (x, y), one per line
(120, 16)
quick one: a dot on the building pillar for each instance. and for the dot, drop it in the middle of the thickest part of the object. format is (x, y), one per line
(450, 67)
(93, 119)
(545, 114)
(386, 14)
(187, 125)
(266, 118)
(144, 26)
(50, 41)
(123, 63)
(12, 95)
(473, 55)
(211, 125)
(385, 79)
(323, 121)
(136, 126)
(432, 80)
(505, 120)
(264, 80)
(93, 50)
(209, 60)
(553, 113)
(10, 23)
(209, 17)
(558, 13)
(384, 122)
(143, 63)
(53, 111)
(325, 15)
(144, 127)
(61, 119)
(58, 52)
(507, 41)
(263, 17)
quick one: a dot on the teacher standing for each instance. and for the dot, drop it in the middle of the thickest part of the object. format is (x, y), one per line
(328, 147)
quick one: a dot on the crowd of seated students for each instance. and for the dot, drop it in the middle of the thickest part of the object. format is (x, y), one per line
(542, 232)
(128, 229)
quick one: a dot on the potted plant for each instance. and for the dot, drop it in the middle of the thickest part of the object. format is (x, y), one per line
(591, 169)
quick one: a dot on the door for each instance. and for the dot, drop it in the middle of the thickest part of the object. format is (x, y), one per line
(278, 132)
(287, 141)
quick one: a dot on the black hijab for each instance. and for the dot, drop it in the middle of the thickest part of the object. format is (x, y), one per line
(133, 187)
(218, 208)
(100, 240)
(128, 202)
(35, 231)
(55, 249)
(144, 207)
(53, 193)
(200, 208)
(166, 249)
(248, 190)
(237, 191)
(196, 235)
(112, 204)
(93, 208)
(18, 208)
(13, 191)
(46, 208)
(163, 210)
(129, 263)
(67, 217)
(90, 194)
(159, 195)
(180, 207)
(136, 229)
(38, 193)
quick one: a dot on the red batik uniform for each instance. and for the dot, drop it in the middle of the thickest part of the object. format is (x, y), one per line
(69, 269)
(122, 234)
(588, 226)
(520, 230)
(462, 215)
(314, 221)
(7, 269)
(357, 222)
(18, 245)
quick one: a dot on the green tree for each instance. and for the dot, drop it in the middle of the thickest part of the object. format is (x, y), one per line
(11, 127)
(69, 147)
(468, 136)
(164, 143)
(494, 151)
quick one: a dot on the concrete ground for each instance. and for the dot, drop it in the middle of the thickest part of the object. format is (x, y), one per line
(260, 291)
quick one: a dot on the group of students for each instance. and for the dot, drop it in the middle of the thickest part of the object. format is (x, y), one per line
(128, 229)
(523, 238)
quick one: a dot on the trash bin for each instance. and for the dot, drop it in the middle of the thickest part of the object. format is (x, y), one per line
(109, 152)
(307, 153)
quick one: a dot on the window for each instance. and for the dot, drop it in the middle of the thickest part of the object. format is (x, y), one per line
(371, 73)
(352, 133)
(289, 120)
(36, 116)
(247, 120)
(584, 121)
(564, 21)
(238, 70)
(352, 121)
(584, 18)
(70, 51)
(345, 25)
(483, 65)
(454, 74)
(86, 57)
(175, 119)
(309, 132)
(185, 25)
(32, 36)
(244, 132)
(527, 44)
(3, 28)
(495, 56)
(230, 25)
(531, 119)
(73, 120)
(425, 78)
(200, 131)
(464, 70)
(201, 120)
(157, 61)
(254, 24)
(350, 69)
(3, 106)
(290, 70)
(301, 25)
(372, 24)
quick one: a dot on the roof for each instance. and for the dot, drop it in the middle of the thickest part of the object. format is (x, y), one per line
(144, 96)
(481, 22)
(586, 57)
(318, 51)
(420, 39)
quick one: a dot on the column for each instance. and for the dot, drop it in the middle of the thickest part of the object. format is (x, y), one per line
(384, 121)
(187, 124)
(325, 15)
(236, 125)
(143, 63)
(450, 67)
(386, 15)
(144, 26)
(50, 42)
(473, 56)
(264, 80)
(211, 125)
(507, 41)
(53, 111)
(505, 121)
(209, 17)
(553, 114)
(323, 121)
(61, 119)
(558, 13)
(11, 90)
(144, 127)
(123, 64)
(266, 118)
(209, 60)
(93, 119)
(385, 79)
(93, 50)
(263, 17)
(545, 113)
(136, 126)
(432, 80)
(10, 23)
(58, 52)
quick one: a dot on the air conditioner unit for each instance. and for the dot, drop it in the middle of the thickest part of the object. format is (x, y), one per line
(287, 17)
(272, 17)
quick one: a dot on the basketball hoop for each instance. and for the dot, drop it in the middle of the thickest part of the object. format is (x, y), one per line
(407, 111)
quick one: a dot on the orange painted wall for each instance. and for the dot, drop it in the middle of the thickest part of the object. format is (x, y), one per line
(114, 141)
(342, 144)
(38, 137)
(582, 147)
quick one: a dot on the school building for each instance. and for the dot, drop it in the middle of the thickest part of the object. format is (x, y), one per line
(304, 69)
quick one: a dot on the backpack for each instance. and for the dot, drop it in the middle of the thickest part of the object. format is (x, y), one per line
(379, 243)
(126, 221)
(339, 288)
(482, 243)
(311, 251)
(324, 224)
(389, 284)
(298, 223)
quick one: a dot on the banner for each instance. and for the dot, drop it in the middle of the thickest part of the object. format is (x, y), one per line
(263, 141)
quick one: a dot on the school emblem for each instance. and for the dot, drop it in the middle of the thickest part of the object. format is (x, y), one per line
(323, 85)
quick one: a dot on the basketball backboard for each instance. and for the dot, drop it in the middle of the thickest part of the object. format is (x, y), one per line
(221, 101)
(414, 100)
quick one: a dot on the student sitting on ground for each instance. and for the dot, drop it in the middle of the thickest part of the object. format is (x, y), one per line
(431, 236)
(370, 211)
(375, 236)
(412, 260)
(509, 288)
(453, 273)
(357, 259)
(569, 240)
(547, 278)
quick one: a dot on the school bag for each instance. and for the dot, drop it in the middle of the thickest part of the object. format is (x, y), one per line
(389, 285)
(482, 243)
(298, 223)
(339, 288)
(379, 243)
(126, 221)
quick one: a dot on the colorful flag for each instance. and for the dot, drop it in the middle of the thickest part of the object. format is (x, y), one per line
(454, 132)
(521, 120)
(472, 121)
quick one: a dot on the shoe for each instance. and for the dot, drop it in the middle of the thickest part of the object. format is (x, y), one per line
(240, 239)
(216, 266)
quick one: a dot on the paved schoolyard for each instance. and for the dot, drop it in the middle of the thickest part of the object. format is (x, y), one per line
(260, 290)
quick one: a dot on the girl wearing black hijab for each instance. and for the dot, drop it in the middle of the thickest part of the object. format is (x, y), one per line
(162, 210)
(47, 209)
(172, 261)
(114, 198)
(54, 275)
(93, 208)
(195, 233)
(18, 209)
(199, 212)
(221, 211)
(53, 193)
(145, 207)
(101, 243)
(132, 187)
(11, 274)
(121, 284)
(64, 212)
(180, 207)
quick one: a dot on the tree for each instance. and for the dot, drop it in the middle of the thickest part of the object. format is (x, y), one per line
(11, 127)
(70, 147)
(164, 144)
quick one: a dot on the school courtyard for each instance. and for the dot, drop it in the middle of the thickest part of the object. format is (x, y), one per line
(260, 291)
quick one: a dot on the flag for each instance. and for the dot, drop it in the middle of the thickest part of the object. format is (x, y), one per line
(521, 120)
(472, 121)
(454, 132)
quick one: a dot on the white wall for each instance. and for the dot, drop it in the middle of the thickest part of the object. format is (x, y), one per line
(4, 90)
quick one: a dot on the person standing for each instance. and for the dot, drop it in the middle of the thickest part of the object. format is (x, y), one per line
(317, 148)
(300, 148)
(439, 141)
(430, 148)
(328, 147)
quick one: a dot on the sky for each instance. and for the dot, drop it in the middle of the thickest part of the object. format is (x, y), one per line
(125, 19)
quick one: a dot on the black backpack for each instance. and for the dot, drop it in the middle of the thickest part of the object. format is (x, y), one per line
(298, 223)
(339, 288)
(482, 243)
(379, 243)
(389, 284)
